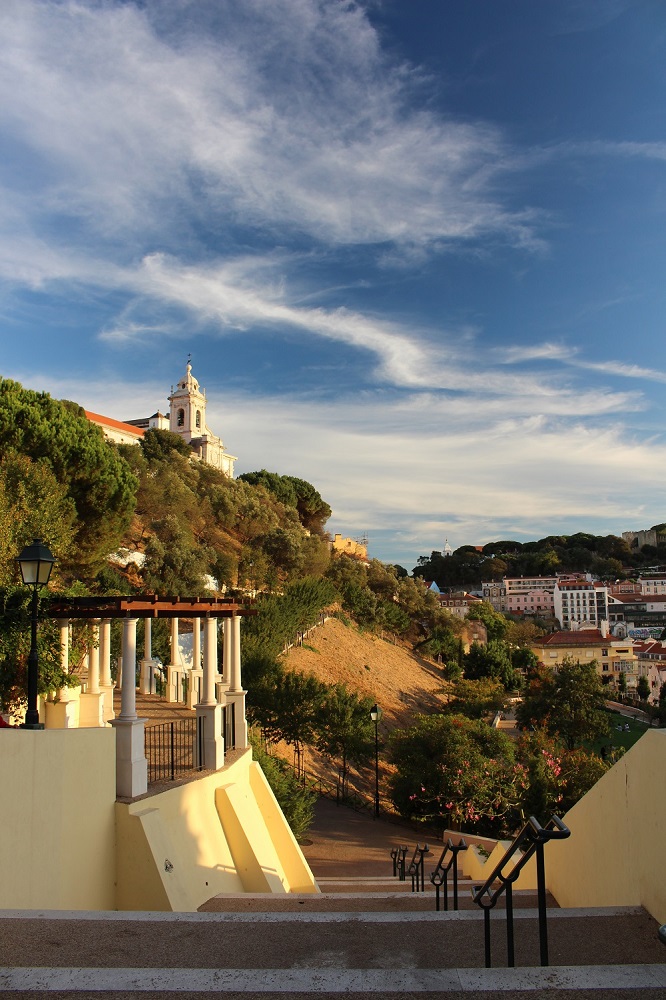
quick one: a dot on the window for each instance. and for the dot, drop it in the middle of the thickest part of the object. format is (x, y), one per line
(181, 418)
(198, 418)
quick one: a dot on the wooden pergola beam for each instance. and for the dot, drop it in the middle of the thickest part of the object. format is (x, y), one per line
(146, 606)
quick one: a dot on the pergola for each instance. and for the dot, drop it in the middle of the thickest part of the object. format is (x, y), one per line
(131, 765)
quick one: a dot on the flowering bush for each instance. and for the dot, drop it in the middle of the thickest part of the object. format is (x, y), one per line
(459, 772)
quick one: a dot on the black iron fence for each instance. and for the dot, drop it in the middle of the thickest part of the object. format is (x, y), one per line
(174, 748)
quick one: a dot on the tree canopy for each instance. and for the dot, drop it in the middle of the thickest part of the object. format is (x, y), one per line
(568, 703)
(91, 473)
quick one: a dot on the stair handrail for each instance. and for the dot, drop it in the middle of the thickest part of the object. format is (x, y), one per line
(417, 868)
(398, 855)
(530, 840)
(440, 874)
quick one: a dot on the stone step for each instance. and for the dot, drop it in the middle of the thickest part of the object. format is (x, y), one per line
(354, 901)
(610, 982)
(323, 941)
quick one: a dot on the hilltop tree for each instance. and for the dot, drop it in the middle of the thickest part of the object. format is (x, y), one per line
(313, 512)
(97, 479)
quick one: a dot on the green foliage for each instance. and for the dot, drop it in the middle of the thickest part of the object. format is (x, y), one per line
(313, 512)
(568, 704)
(643, 688)
(478, 698)
(455, 770)
(297, 803)
(281, 617)
(15, 637)
(492, 660)
(607, 556)
(496, 624)
(97, 479)
(33, 504)
(345, 731)
(157, 444)
(558, 777)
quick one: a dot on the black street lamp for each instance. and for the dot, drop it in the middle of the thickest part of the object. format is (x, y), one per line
(35, 562)
(375, 715)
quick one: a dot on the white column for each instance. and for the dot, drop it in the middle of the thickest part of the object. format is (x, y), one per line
(93, 660)
(128, 700)
(236, 694)
(147, 666)
(235, 665)
(173, 667)
(91, 713)
(196, 643)
(105, 679)
(209, 661)
(226, 652)
(196, 676)
(131, 763)
(209, 712)
(64, 644)
(63, 713)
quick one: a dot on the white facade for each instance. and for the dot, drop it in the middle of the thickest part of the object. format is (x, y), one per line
(581, 603)
(187, 418)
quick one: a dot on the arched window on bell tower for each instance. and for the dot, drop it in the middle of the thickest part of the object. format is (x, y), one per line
(181, 418)
(198, 420)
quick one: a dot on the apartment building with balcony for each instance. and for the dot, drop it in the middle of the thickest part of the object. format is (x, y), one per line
(579, 603)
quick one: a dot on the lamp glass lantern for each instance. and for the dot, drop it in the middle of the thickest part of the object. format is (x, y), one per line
(36, 562)
(375, 713)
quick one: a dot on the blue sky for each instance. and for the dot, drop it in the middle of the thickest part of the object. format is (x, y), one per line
(415, 247)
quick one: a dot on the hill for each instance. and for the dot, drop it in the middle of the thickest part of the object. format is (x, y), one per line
(401, 682)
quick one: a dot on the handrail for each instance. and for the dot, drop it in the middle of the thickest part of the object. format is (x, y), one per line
(439, 875)
(398, 855)
(417, 868)
(530, 841)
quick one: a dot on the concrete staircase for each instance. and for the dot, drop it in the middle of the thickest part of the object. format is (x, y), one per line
(365, 933)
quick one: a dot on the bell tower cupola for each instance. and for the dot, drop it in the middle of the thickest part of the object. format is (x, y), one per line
(188, 407)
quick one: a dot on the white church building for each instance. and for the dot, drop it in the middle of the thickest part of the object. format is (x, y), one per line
(186, 417)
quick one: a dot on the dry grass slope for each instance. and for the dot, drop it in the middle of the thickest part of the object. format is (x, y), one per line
(401, 682)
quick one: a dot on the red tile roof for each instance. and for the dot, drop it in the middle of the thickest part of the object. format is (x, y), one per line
(97, 418)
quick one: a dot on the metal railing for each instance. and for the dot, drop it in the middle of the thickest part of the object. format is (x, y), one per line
(530, 841)
(174, 748)
(440, 875)
(398, 856)
(416, 868)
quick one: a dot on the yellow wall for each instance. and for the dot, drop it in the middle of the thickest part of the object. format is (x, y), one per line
(182, 846)
(57, 847)
(615, 855)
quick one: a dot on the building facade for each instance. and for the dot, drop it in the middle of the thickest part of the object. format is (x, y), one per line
(611, 655)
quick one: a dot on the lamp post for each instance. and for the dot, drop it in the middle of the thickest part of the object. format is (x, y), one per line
(375, 715)
(35, 562)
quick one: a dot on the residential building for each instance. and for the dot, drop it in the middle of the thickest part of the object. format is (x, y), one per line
(355, 547)
(651, 655)
(652, 583)
(494, 592)
(580, 602)
(612, 656)
(637, 611)
(459, 603)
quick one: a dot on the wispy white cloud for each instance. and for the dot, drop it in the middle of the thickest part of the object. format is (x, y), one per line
(117, 117)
